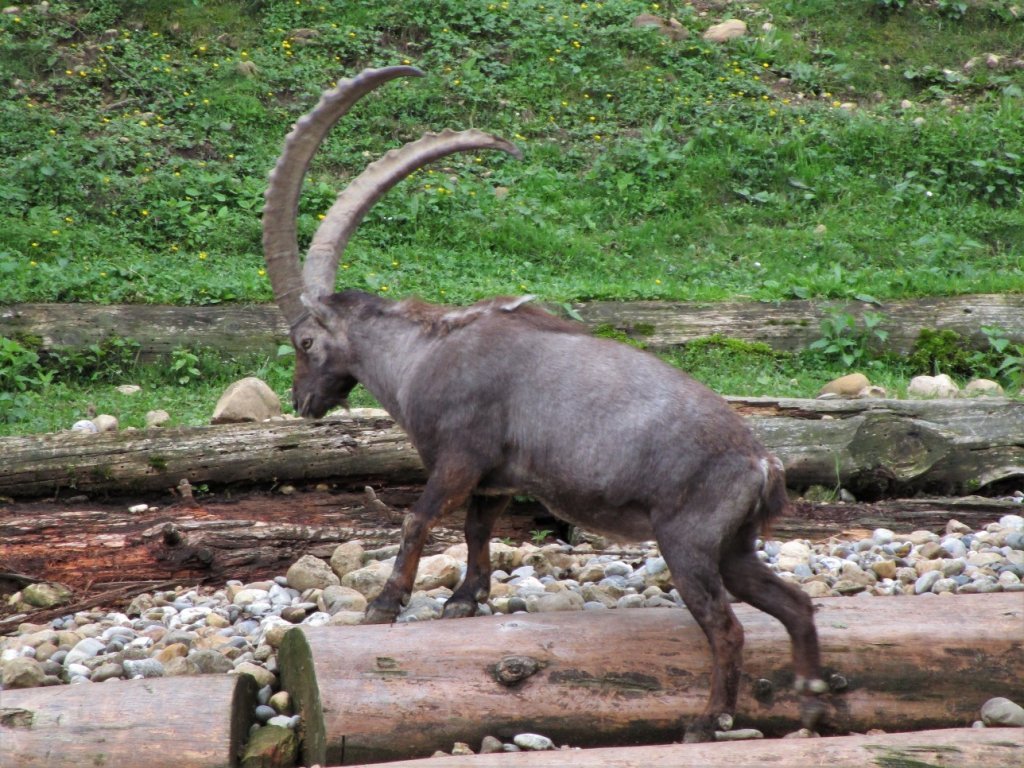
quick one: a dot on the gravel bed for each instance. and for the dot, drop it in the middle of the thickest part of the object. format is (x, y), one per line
(237, 629)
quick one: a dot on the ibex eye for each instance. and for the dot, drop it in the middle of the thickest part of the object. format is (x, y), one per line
(306, 344)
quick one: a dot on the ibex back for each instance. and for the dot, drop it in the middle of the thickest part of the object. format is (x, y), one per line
(502, 398)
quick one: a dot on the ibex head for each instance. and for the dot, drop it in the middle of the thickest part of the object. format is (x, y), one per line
(319, 319)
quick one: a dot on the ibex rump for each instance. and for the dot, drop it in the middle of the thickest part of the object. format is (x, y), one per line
(502, 398)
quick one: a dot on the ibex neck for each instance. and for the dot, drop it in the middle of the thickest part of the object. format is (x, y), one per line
(387, 348)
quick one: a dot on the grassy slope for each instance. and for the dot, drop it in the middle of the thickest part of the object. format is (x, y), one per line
(133, 160)
(137, 135)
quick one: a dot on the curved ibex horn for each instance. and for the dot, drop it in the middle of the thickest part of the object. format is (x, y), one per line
(280, 212)
(321, 267)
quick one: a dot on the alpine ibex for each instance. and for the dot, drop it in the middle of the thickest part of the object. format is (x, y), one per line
(503, 398)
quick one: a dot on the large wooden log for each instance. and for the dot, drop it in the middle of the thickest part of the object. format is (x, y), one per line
(375, 693)
(101, 545)
(786, 325)
(942, 748)
(875, 447)
(158, 723)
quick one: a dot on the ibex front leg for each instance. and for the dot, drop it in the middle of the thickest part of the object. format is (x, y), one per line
(448, 487)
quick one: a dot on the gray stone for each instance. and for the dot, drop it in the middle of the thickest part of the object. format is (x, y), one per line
(347, 557)
(727, 30)
(249, 399)
(368, 580)
(421, 607)
(533, 741)
(940, 386)
(845, 386)
(106, 671)
(438, 571)
(45, 594)
(1001, 711)
(926, 582)
(262, 675)
(338, 598)
(555, 601)
(490, 745)
(143, 668)
(22, 672)
(210, 662)
(310, 572)
(84, 649)
(271, 745)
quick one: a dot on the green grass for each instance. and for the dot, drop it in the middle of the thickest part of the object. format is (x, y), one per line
(136, 138)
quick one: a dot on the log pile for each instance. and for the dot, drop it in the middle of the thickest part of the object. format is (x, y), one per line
(374, 693)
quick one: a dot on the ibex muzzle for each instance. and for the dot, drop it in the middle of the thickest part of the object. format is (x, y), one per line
(503, 398)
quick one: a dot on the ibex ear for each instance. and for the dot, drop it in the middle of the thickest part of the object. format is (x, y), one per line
(318, 309)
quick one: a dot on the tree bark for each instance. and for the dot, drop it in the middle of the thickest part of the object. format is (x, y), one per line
(375, 693)
(103, 546)
(876, 448)
(944, 748)
(160, 723)
(786, 325)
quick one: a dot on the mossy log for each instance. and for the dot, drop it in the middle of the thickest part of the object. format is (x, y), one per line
(157, 723)
(236, 329)
(590, 679)
(941, 748)
(876, 448)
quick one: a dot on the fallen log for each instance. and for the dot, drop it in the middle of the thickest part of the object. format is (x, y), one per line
(876, 448)
(376, 693)
(942, 748)
(160, 723)
(95, 545)
(235, 329)
(212, 540)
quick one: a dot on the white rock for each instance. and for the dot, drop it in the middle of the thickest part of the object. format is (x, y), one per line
(249, 399)
(850, 385)
(84, 425)
(983, 387)
(727, 30)
(129, 389)
(940, 386)
(533, 741)
(157, 418)
(105, 423)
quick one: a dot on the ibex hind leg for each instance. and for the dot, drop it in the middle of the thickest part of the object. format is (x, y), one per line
(753, 582)
(475, 588)
(692, 560)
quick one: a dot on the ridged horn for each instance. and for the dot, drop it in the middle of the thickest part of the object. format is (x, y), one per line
(280, 211)
(321, 267)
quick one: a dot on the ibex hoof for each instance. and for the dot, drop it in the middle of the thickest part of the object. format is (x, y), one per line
(379, 615)
(812, 712)
(700, 730)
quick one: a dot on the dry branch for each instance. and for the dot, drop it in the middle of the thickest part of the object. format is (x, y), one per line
(632, 676)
